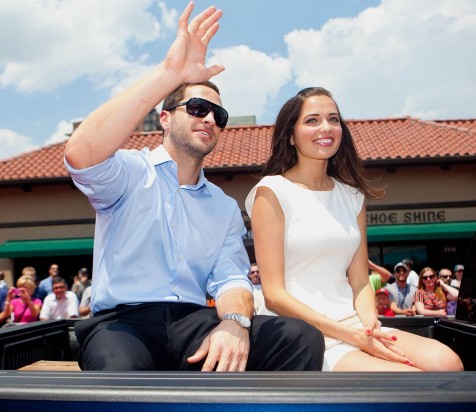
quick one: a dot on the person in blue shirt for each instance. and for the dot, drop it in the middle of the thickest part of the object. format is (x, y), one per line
(46, 285)
(165, 236)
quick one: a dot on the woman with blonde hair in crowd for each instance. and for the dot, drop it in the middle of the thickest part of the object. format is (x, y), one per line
(20, 302)
(430, 298)
(309, 228)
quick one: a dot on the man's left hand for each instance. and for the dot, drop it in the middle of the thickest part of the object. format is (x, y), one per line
(228, 345)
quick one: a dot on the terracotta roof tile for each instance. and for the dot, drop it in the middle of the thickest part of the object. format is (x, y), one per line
(239, 146)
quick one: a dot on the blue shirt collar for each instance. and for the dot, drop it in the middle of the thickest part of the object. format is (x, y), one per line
(160, 156)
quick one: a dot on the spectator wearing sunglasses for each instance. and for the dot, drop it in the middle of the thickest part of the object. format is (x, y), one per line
(258, 298)
(166, 236)
(444, 281)
(401, 293)
(430, 299)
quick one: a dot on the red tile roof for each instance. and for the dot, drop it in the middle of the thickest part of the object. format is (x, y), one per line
(246, 146)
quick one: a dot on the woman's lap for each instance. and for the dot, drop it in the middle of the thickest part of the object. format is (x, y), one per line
(335, 353)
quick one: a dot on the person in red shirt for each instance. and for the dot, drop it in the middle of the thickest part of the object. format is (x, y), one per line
(382, 300)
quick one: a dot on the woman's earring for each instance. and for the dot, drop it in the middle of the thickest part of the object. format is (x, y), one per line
(291, 141)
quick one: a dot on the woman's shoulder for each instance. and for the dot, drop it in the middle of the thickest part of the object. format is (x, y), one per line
(274, 183)
(271, 181)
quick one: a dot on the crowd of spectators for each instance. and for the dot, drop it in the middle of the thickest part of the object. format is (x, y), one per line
(405, 292)
(30, 300)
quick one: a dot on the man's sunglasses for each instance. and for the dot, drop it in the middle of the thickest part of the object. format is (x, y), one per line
(198, 107)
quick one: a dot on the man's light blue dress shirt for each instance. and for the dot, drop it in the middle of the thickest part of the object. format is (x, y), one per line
(156, 241)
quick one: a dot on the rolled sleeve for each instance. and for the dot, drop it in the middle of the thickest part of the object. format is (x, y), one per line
(232, 265)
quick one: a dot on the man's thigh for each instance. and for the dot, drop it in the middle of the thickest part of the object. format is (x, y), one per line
(120, 347)
(188, 333)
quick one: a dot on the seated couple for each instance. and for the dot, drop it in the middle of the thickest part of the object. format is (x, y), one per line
(165, 236)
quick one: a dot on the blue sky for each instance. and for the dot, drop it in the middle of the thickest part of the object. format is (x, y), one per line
(60, 59)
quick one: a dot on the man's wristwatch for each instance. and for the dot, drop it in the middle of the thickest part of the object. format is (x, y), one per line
(242, 320)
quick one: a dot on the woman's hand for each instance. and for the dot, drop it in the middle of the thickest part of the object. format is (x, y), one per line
(12, 294)
(379, 344)
(24, 295)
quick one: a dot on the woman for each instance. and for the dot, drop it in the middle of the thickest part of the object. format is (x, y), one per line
(430, 298)
(25, 309)
(309, 227)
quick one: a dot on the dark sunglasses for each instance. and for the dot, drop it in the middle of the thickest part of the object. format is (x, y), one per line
(198, 107)
(445, 276)
(401, 271)
(428, 277)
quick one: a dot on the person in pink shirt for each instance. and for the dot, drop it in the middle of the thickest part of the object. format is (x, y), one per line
(24, 307)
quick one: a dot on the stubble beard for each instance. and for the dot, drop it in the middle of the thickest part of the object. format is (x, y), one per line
(188, 146)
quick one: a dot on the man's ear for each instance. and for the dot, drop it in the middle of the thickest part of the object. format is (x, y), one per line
(165, 118)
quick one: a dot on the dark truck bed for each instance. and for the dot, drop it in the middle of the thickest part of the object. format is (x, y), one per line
(249, 391)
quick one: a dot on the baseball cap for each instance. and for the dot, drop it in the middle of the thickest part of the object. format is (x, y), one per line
(382, 290)
(458, 267)
(400, 264)
(83, 271)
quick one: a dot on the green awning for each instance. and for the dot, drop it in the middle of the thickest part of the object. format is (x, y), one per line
(426, 231)
(46, 247)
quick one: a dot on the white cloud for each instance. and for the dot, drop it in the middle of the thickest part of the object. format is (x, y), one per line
(250, 80)
(13, 144)
(62, 41)
(400, 58)
(63, 130)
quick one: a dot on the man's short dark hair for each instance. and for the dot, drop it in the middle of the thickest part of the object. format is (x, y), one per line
(176, 96)
(58, 279)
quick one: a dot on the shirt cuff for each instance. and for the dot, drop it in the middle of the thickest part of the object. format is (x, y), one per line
(234, 284)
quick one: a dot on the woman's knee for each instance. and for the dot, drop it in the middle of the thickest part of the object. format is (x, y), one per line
(447, 360)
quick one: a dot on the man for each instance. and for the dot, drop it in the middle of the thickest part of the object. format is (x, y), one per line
(85, 304)
(258, 298)
(46, 285)
(413, 277)
(165, 235)
(401, 293)
(61, 303)
(445, 276)
(459, 270)
(253, 276)
(30, 271)
(81, 282)
(444, 280)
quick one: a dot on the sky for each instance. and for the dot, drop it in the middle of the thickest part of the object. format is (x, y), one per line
(61, 59)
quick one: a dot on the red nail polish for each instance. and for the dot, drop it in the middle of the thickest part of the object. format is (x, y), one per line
(368, 331)
(394, 338)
